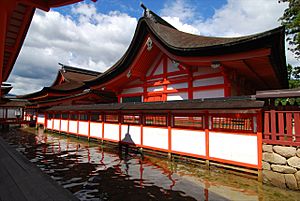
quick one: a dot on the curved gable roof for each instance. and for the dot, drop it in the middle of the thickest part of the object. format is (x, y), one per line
(189, 45)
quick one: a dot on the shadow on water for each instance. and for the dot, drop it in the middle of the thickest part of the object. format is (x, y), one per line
(94, 172)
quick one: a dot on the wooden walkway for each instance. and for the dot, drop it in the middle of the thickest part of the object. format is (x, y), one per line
(22, 180)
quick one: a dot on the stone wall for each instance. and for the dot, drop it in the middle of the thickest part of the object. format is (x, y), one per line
(281, 166)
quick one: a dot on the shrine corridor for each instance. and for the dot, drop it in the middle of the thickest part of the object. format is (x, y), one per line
(92, 171)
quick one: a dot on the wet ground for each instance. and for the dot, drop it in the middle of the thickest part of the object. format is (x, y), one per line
(92, 171)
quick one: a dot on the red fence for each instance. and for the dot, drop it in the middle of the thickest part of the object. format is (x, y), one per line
(282, 127)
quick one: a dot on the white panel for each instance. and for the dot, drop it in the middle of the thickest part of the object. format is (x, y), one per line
(215, 93)
(41, 120)
(49, 123)
(11, 113)
(2, 113)
(96, 130)
(172, 67)
(152, 89)
(177, 86)
(64, 125)
(133, 90)
(188, 141)
(134, 134)
(73, 127)
(234, 147)
(208, 81)
(160, 69)
(155, 137)
(111, 131)
(177, 96)
(206, 70)
(56, 124)
(153, 65)
(83, 128)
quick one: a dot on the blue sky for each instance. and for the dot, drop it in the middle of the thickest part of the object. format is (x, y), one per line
(95, 35)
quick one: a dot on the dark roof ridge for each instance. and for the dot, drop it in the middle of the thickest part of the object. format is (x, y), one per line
(154, 17)
(66, 68)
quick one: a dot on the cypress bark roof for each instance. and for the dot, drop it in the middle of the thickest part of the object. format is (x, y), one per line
(188, 45)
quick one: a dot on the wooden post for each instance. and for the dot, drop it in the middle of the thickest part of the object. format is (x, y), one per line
(169, 136)
(259, 145)
(3, 21)
(206, 128)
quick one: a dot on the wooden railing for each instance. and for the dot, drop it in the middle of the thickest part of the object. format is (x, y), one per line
(282, 127)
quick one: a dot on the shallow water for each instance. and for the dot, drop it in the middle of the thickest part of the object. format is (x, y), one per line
(92, 171)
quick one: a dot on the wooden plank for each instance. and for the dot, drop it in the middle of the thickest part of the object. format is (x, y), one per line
(266, 125)
(273, 125)
(281, 125)
(297, 126)
(289, 126)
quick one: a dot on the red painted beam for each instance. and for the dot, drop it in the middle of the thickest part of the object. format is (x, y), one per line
(3, 21)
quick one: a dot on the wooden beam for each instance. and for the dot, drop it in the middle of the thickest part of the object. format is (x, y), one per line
(36, 3)
(255, 73)
(3, 24)
(19, 40)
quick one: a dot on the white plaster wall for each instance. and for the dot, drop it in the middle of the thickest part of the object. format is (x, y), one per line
(132, 90)
(208, 81)
(40, 120)
(171, 66)
(56, 124)
(177, 96)
(215, 93)
(11, 113)
(153, 89)
(83, 128)
(188, 141)
(64, 125)
(160, 69)
(96, 130)
(155, 137)
(183, 85)
(49, 123)
(134, 132)
(234, 147)
(73, 126)
(111, 131)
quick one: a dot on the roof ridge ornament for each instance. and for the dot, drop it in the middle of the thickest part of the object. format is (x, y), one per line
(148, 13)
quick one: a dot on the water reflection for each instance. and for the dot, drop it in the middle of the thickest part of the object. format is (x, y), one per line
(94, 172)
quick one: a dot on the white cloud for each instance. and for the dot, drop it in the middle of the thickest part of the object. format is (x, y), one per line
(95, 41)
(180, 9)
(236, 18)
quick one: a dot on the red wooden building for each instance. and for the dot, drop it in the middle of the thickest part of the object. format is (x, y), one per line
(182, 93)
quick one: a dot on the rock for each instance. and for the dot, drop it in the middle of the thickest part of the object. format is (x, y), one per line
(274, 178)
(283, 169)
(274, 158)
(266, 166)
(267, 148)
(297, 176)
(294, 162)
(285, 151)
(291, 181)
(298, 152)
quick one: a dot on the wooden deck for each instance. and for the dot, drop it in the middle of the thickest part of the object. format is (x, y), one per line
(22, 180)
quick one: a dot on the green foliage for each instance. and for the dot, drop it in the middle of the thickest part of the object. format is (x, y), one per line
(293, 76)
(291, 20)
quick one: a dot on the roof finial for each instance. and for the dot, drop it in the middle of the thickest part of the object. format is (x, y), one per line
(146, 10)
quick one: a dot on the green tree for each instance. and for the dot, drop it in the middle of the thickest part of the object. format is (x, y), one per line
(293, 76)
(291, 20)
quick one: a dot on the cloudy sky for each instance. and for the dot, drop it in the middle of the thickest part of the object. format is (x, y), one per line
(95, 35)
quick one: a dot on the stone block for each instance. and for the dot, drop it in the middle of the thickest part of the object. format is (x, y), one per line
(283, 169)
(274, 178)
(266, 166)
(291, 181)
(267, 148)
(274, 158)
(285, 151)
(297, 176)
(294, 162)
(298, 152)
